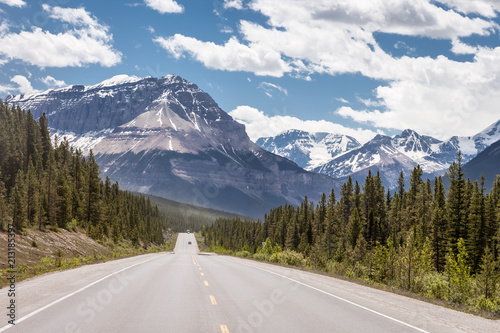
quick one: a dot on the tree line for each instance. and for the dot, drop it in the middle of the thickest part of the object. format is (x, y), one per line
(47, 184)
(444, 244)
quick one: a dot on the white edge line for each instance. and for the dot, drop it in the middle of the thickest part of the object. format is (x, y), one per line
(337, 297)
(71, 294)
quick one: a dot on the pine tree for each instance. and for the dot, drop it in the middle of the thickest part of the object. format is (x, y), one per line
(477, 225)
(46, 145)
(19, 203)
(459, 273)
(489, 275)
(332, 226)
(93, 194)
(456, 205)
(354, 228)
(439, 225)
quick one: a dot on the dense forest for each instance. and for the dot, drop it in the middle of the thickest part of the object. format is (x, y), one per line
(442, 244)
(49, 185)
(182, 216)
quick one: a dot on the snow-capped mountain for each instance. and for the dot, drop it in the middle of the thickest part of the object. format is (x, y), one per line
(377, 155)
(169, 138)
(308, 150)
(403, 152)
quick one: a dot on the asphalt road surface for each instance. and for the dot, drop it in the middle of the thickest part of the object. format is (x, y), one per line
(188, 291)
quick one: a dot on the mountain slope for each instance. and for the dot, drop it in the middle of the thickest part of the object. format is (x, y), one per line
(167, 137)
(486, 163)
(377, 155)
(308, 150)
(403, 152)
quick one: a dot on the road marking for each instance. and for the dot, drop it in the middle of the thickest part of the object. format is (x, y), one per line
(202, 274)
(206, 283)
(212, 299)
(337, 297)
(194, 261)
(224, 329)
(71, 294)
(199, 268)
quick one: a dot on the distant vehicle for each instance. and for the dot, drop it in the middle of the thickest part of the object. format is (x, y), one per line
(188, 231)
(189, 243)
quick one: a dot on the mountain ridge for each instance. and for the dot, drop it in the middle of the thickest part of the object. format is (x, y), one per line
(388, 155)
(169, 138)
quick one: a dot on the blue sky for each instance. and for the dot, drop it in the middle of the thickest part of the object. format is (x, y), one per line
(353, 67)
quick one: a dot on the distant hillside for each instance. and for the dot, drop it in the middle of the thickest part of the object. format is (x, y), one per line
(181, 216)
(487, 163)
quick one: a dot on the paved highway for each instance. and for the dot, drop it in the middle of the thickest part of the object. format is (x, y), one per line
(187, 291)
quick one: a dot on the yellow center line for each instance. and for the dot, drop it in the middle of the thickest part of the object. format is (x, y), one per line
(194, 261)
(202, 274)
(223, 329)
(212, 299)
(199, 268)
(206, 283)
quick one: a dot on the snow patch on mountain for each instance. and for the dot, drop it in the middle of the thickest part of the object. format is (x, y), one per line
(116, 80)
(308, 150)
(84, 142)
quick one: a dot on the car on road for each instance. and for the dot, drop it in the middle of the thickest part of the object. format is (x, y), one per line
(189, 243)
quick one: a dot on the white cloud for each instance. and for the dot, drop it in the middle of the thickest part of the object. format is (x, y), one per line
(270, 87)
(164, 6)
(24, 85)
(461, 48)
(486, 8)
(5, 89)
(260, 125)
(14, 3)
(87, 42)
(402, 45)
(436, 96)
(370, 103)
(49, 81)
(342, 100)
(236, 4)
(232, 56)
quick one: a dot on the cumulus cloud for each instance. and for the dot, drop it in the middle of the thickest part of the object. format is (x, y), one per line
(232, 56)
(260, 125)
(86, 42)
(486, 8)
(24, 85)
(436, 96)
(14, 3)
(164, 6)
(51, 82)
(236, 4)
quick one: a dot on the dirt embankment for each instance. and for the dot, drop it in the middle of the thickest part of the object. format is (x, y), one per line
(32, 245)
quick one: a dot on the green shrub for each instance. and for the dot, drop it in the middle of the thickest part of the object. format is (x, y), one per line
(47, 262)
(435, 285)
(243, 254)
(483, 303)
(335, 267)
(261, 256)
(288, 257)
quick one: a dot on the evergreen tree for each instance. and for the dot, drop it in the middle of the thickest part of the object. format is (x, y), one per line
(354, 228)
(456, 204)
(439, 225)
(489, 276)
